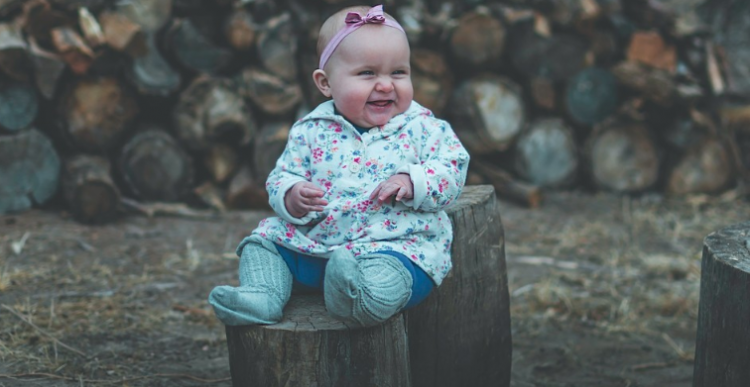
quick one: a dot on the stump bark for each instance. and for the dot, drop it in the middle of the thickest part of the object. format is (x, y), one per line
(311, 348)
(722, 348)
(460, 335)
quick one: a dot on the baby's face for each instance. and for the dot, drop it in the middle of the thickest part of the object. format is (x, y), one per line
(370, 76)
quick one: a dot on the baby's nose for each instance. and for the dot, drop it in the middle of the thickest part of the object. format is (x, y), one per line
(384, 85)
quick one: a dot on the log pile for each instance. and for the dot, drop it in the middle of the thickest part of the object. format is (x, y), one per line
(191, 101)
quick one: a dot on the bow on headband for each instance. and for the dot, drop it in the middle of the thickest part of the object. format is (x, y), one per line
(353, 22)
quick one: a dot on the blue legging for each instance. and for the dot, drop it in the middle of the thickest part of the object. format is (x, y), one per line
(308, 272)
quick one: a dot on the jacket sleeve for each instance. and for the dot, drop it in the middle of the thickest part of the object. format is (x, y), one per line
(440, 177)
(292, 167)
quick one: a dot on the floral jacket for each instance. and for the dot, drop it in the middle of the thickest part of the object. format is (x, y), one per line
(325, 149)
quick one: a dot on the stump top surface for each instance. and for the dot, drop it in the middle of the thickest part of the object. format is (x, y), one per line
(731, 246)
(472, 194)
(307, 313)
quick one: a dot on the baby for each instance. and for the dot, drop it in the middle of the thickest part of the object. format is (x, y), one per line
(359, 190)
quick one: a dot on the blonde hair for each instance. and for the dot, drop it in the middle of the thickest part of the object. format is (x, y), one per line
(336, 22)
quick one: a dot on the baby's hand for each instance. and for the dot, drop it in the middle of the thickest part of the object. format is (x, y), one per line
(304, 197)
(399, 185)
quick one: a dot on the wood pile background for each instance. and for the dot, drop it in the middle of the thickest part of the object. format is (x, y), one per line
(159, 105)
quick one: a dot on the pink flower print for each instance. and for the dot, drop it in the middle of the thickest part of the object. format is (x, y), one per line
(357, 159)
(430, 171)
(335, 126)
(317, 155)
(402, 136)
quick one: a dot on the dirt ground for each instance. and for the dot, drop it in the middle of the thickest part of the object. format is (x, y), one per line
(604, 292)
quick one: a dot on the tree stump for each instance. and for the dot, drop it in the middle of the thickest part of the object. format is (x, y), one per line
(459, 336)
(311, 348)
(722, 348)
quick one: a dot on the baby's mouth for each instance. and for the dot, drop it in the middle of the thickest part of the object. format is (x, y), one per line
(381, 103)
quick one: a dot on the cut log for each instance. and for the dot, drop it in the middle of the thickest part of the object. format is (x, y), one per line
(193, 50)
(14, 58)
(730, 29)
(277, 47)
(240, 30)
(247, 191)
(591, 96)
(546, 154)
(29, 170)
(623, 158)
(269, 92)
(432, 79)
(649, 48)
(652, 84)
(211, 195)
(557, 57)
(150, 73)
(48, 67)
(543, 93)
(89, 190)
(92, 30)
(460, 335)
(269, 146)
(310, 348)
(706, 168)
(487, 113)
(19, 106)
(72, 49)
(39, 19)
(210, 110)
(477, 42)
(96, 113)
(155, 168)
(123, 34)
(723, 335)
(221, 161)
(506, 186)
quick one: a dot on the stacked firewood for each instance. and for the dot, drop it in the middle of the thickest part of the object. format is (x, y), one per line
(108, 104)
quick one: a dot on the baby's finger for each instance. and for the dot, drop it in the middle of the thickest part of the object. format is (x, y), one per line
(376, 191)
(319, 202)
(312, 192)
(401, 193)
(387, 192)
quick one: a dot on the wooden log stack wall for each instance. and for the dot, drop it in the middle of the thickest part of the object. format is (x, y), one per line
(190, 101)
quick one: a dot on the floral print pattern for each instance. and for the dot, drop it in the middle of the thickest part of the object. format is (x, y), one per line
(324, 148)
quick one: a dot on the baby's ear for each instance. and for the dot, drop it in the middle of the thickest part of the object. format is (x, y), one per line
(321, 81)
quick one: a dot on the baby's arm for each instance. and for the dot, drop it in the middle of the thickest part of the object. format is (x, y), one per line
(290, 193)
(440, 177)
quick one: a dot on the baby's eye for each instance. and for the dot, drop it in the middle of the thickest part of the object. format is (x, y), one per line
(400, 72)
(366, 72)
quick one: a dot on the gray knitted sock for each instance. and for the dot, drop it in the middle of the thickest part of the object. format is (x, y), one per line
(265, 287)
(367, 290)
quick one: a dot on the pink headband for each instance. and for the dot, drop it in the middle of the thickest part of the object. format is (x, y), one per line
(353, 21)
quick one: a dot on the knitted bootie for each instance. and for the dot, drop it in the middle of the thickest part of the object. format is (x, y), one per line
(265, 287)
(365, 291)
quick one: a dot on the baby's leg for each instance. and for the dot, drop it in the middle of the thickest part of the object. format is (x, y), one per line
(265, 287)
(365, 290)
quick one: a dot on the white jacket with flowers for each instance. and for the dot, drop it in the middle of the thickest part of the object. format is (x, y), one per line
(325, 149)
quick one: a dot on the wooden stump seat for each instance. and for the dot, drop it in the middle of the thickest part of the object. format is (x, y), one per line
(459, 336)
(722, 346)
